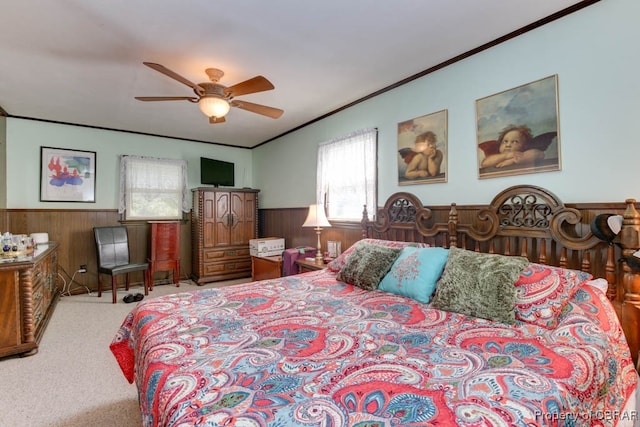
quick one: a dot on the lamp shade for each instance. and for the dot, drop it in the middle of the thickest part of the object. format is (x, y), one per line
(316, 217)
(606, 226)
(212, 106)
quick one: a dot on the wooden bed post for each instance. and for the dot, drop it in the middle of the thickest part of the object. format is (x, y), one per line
(451, 226)
(611, 274)
(365, 222)
(630, 242)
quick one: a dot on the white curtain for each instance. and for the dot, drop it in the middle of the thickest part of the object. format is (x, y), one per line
(152, 177)
(346, 175)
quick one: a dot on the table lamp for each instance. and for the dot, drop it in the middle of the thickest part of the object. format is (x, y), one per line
(317, 219)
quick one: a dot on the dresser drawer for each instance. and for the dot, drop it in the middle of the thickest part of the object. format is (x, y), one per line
(226, 266)
(39, 306)
(38, 274)
(214, 255)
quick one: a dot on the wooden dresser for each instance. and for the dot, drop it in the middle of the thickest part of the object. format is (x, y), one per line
(28, 295)
(223, 221)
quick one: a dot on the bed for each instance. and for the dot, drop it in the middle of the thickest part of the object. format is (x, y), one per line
(362, 344)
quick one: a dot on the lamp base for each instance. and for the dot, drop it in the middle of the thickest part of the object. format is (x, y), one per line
(319, 257)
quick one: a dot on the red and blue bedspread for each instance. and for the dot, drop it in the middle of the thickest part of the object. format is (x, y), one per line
(308, 350)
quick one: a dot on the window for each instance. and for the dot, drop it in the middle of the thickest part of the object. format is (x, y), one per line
(153, 188)
(346, 176)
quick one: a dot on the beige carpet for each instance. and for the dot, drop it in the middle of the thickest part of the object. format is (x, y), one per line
(74, 380)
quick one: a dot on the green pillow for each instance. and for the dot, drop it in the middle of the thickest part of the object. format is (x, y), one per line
(367, 265)
(480, 285)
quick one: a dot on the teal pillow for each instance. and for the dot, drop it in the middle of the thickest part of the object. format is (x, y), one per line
(367, 265)
(480, 285)
(415, 273)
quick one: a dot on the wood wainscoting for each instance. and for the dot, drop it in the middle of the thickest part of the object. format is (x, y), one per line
(287, 223)
(73, 230)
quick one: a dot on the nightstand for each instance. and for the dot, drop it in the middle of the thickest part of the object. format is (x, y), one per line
(305, 266)
(268, 267)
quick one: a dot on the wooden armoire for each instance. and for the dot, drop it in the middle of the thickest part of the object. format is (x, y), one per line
(223, 221)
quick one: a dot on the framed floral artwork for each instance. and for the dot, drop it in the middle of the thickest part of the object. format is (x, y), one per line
(422, 149)
(518, 130)
(67, 175)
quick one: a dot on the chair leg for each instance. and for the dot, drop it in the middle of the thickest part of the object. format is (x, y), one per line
(145, 281)
(114, 285)
(128, 281)
(176, 274)
(99, 284)
(150, 275)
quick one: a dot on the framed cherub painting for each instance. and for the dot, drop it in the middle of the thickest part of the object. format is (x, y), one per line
(518, 130)
(422, 149)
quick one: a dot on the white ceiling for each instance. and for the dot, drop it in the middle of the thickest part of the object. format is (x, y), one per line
(79, 61)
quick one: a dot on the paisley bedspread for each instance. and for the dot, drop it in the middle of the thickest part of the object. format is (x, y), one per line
(308, 350)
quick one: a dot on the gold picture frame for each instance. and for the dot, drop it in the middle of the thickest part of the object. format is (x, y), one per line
(518, 130)
(422, 149)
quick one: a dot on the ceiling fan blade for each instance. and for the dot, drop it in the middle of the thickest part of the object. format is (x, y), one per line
(214, 120)
(167, 98)
(167, 72)
(256, 84)
(272, 112)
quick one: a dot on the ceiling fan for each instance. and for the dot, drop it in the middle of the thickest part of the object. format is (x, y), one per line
(215, 99)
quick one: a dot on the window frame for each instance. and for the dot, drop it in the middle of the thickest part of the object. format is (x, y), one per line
(370, 159)
(180, 191)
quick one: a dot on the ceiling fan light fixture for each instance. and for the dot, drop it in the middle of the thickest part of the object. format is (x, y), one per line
(212, 106)
(215, 99)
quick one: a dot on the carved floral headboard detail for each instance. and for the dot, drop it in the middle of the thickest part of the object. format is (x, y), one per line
(529, 221)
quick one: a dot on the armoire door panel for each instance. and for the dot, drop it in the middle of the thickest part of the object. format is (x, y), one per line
(222, 219)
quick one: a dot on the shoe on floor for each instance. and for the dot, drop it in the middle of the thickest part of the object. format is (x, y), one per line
(129, 298)
(138, 297)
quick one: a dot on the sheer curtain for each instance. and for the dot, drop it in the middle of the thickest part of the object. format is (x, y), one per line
(346, 175)
(153, 188)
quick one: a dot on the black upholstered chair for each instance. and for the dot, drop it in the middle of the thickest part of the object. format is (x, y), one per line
(112, 248)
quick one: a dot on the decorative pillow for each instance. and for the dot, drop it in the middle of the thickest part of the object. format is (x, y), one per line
(339, 262)
(542, 291)
(601, 284)
(415, 273)
(367, 265)
(479, 285)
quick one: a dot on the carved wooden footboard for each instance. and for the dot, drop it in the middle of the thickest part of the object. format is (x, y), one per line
(528, 221)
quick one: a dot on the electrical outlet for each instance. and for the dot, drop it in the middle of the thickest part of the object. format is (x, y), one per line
(83, 268)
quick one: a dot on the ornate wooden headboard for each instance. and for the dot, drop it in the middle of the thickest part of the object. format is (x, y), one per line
(528, 221)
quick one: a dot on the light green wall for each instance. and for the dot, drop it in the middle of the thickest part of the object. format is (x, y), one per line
(3, 161)
(593, 51)
(25, 137)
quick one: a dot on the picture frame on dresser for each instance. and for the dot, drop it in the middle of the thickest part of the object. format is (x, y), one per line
(67, 175)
